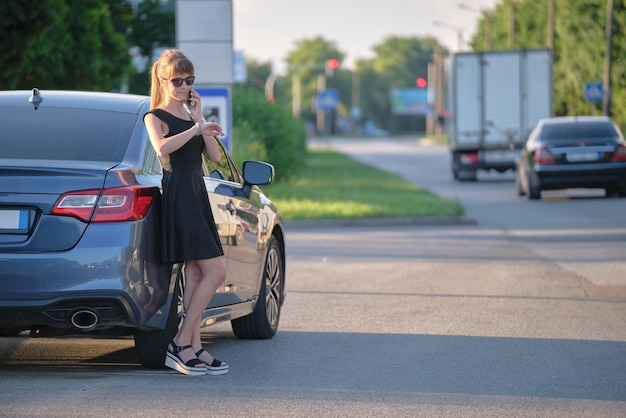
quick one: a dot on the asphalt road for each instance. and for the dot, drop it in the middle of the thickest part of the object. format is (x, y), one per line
(517, 309)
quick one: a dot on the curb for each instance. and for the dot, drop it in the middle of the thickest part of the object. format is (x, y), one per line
(379, 222)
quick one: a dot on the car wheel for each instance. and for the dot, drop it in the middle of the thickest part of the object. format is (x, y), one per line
(518, 183)
(534, 190)
(618, 191)
(455, 171)
(262, 323)
(151, 345)
(465, 175)
(469, 175)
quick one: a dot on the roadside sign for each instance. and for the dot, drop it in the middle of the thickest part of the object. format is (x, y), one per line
(216, 107)
(593, 92)
(328, 99)
(240, 71)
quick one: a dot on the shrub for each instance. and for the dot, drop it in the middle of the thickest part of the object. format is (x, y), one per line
(267, 132)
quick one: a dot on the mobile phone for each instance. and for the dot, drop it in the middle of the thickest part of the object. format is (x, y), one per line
(190, 102)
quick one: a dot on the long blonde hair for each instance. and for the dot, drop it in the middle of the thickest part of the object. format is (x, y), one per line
(170, 62)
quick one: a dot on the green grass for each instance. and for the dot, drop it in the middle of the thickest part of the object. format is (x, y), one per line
(334, 186)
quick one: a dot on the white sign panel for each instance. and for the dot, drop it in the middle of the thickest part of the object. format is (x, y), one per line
(216, 107)
(204, 32)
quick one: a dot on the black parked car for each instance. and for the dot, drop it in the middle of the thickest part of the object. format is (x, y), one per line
(573, 152)
(79, 227)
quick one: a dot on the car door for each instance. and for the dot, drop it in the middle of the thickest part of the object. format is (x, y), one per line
(237, 219)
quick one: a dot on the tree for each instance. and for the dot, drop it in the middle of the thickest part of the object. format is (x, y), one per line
(63, 44)
(579, 47)
(153, 26)
(258, 72)
(19, 21)
(307, 61)
(398, 62)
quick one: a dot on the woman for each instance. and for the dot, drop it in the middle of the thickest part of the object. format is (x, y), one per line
(179, 136)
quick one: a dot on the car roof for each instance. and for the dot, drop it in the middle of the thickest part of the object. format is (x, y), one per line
(575, 119)
(121, 102)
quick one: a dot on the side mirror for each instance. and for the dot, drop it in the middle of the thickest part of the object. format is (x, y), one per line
(257, 173)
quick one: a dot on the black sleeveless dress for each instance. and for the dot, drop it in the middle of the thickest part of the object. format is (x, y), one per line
(188, 230)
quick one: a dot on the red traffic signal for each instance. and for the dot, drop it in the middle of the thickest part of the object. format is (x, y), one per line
(332, 63)
(421, 82)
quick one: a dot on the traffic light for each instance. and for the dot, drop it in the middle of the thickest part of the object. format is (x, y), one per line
(421, 82)
(331, 65)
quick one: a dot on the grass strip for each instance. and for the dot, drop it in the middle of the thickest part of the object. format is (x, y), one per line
(332, 185)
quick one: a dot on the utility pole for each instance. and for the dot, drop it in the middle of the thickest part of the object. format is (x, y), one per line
(355, 109)
(550, 40)
(458, 30)
(511, 24)
(321, 116)
(606, 85)
(296, 95)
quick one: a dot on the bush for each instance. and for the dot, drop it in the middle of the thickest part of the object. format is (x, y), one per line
(267, 132)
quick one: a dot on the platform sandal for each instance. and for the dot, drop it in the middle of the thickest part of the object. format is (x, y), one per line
(191, 368)
(216, 367)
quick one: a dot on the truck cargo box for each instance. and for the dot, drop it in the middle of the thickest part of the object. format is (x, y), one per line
(494, 99)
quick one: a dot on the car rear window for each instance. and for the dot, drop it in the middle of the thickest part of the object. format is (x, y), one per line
(578, 130)
(64, 134)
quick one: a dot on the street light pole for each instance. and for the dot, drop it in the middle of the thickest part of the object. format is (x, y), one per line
(488, 22)
(459, 32)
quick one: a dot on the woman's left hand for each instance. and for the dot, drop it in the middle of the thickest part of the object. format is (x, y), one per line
(212, 129)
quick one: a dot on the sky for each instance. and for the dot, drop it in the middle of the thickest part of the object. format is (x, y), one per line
(267, 30)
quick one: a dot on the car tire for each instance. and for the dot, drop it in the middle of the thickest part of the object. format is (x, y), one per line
(152, 345)
(617, 191)
(518, 183)
(262, 323)
(465, 175)
(534, 190)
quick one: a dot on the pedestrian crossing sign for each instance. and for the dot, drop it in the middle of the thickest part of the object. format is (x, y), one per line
(593, 92)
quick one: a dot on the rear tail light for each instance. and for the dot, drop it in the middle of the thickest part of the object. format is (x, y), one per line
(118, 204)
(620, 153)
(543, 156)
(469, 158)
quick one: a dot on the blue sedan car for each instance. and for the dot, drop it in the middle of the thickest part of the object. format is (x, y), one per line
(80, 190)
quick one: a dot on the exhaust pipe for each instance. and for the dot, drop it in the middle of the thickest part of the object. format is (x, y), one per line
(84, 319)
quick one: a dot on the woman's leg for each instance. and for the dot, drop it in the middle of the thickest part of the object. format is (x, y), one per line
(202, 279)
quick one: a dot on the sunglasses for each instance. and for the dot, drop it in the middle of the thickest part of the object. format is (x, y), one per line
(178, 81)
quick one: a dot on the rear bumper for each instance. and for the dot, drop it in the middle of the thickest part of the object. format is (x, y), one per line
(99, 310)
(581, 175)
(486, 159)
(107, 274)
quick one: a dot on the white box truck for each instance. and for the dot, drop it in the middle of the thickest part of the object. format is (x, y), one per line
(494, 99)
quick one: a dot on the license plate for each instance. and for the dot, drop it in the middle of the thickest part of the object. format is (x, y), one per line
(14, 221)
(577, 157)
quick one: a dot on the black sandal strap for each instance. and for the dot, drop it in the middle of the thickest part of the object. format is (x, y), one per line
(177, 349)
(214, 363)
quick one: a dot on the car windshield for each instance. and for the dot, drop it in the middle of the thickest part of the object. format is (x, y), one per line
(578, 130)
(64, 134)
